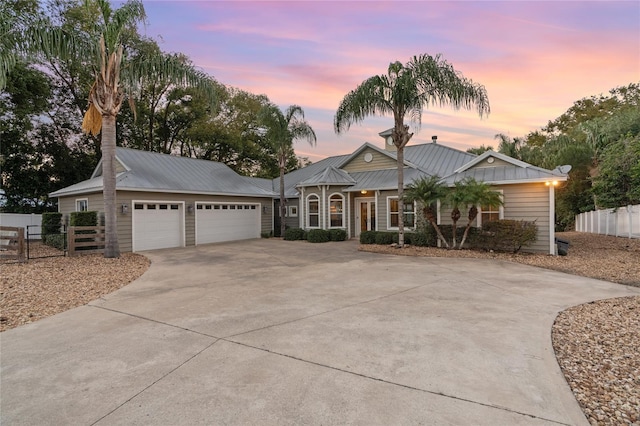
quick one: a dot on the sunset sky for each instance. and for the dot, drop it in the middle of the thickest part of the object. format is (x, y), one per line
(534, 58)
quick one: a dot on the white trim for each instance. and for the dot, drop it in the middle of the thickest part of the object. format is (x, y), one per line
(438, 214)
(329, 210)
(490, 153)
(301, 216)
(389, 227)
(348, 215)
(377, 206)
(290, 212)
(357, 201)
(323, 208)
(82, 199)
(500, 209)
(552, 220)
(162, 191)
(308, 222)
(273, 215)
(133, 222)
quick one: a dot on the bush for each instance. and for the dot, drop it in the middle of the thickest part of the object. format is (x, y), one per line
(386, 238)
(51, 223)
(368, 237)
(55, 240)
(266, 234)
(83, 219)
(508, 235)
(293, 234)
(337, 234)
(318, 236)
(421, 239)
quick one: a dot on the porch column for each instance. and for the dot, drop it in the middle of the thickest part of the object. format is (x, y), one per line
(552, 220)
(323, 210)
(348, 215)
(377, 215)
(301, 208)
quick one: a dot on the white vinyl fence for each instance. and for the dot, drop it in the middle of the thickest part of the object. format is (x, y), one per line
(22, 221)
(620, 222)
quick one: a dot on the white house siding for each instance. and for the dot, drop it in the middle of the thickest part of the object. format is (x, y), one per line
(67, 205)
(528, 202)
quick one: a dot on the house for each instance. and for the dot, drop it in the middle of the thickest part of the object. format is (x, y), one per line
(168, 201)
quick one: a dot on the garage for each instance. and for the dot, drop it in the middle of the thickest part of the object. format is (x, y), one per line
(157, 225)
(219, 222)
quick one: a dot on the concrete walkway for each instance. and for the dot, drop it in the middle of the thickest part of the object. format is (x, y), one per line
(288, 333)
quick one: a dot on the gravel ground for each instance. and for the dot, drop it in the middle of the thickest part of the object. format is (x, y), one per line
(42, 287)
(597, 344)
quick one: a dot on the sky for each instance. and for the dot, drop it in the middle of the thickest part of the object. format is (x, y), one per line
(535, 58)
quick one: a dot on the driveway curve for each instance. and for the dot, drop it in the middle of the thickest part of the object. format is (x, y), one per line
(276, 332)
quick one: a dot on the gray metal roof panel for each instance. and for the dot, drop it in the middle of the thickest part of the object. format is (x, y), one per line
(436, 159)
(382, 179)
(153, 171)
(329, 176)
(293, 178)
(507, 174)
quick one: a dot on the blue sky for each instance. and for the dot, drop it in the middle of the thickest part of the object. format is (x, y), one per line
(534, 58)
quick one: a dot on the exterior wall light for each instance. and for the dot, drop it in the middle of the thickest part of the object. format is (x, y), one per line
(549, 183)
(364, 191)
(124, 208)
(190, 208)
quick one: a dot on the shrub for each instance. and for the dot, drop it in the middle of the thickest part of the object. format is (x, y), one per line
(55, 240)
(368, 237)
(266, 234)
(337, 234)
(83, 219)
(51, 222)
(293, 234)
(386, 238)
(509, 235)
(421, 239)
(318, 236)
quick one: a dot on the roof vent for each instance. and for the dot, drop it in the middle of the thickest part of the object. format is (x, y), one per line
(434, 139)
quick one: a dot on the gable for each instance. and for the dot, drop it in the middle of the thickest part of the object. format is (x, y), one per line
(119, 168)
(369, 159)
(491, 162)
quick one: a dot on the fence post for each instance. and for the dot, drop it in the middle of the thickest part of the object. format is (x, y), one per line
(71, 240)
(21, 244)
(630, 216)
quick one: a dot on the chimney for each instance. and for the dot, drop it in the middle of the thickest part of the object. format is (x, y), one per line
(434, 139)
(388, 139)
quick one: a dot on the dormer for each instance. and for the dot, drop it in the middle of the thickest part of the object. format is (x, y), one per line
(388, 140)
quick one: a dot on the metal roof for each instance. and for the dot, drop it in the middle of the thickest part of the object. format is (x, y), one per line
(382, 179)
(161, 172)
(329, 176)
(293, 178)
(436, 159)
(505, 175)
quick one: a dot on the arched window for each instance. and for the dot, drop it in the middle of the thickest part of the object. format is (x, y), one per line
(336, 211)
(313, 211)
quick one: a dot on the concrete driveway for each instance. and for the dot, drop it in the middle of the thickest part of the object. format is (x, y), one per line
(276, 332)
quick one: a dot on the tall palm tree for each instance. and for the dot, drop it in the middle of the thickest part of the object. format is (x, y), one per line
(282, 129)
(428, 191)
(478, 194)
(404, 91)
(116, 79)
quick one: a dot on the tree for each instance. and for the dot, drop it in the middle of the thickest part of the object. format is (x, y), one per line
(281, 131)
(618, 183)
(427, 191)
(480, 150)
(478, 194)
(404, 92)
(113, 73)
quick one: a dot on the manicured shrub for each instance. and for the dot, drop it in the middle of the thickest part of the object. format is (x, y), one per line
(318, 236)
(293, 234)
(368, 237)
(421, 239)
(509, 235)
(83, 219)
(386, 238)
(266, 234)
(51, 222)
(55, 240)
(337, 234)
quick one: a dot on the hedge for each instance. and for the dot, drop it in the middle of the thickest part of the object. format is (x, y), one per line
(337, 234)
(83, 219)
(318, 236)
(293, 234)
(508, 235)
(51, 222)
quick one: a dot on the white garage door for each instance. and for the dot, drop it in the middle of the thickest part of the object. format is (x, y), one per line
(157, 225)
(218, 222)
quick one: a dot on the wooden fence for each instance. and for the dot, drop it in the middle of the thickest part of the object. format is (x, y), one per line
(12, 243)
(85, 240)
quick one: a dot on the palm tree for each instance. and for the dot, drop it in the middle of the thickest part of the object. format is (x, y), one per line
(405, 90)
(458, 197)
(282, 130)
(428, 191)
(116, 79)
(477, 194)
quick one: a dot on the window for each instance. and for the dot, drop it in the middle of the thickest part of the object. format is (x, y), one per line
(292, 211)
(336, 211)
(313, 211)
(490, 214)
(409, 213)
(82, 205)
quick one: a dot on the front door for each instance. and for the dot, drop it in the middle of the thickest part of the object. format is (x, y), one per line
(365, 215)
